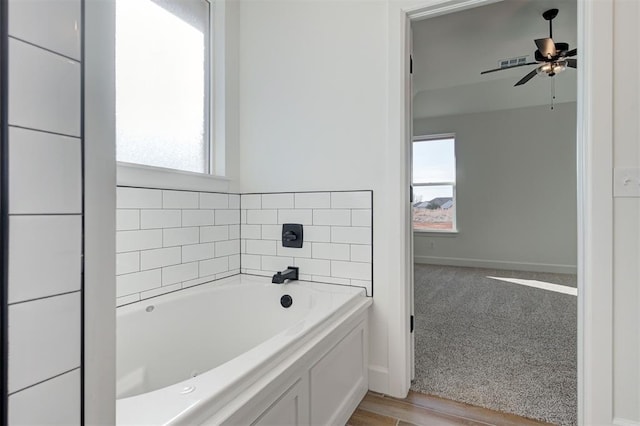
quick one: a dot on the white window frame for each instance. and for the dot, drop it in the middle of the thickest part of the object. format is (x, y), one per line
(426, 138)
(134, 174)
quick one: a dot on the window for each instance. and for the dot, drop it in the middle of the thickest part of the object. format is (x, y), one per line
(163, 83)
(434, 184)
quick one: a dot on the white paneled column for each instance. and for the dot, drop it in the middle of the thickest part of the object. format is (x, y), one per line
(45, 212)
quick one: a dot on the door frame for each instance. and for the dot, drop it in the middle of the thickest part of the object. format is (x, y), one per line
(594, 179)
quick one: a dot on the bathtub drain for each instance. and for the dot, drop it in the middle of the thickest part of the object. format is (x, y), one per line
(286, 301)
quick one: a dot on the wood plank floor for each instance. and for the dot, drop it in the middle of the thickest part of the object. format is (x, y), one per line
(426, 410)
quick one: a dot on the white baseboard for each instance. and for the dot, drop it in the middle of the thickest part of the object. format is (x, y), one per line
(625, 422)
(350, 405)
(378, 379)
(493, 264)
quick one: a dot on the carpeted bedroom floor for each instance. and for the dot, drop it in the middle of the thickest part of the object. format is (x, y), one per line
(496, 344)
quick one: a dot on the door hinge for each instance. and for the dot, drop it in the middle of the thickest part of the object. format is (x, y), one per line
(411, 324)
(410, 64)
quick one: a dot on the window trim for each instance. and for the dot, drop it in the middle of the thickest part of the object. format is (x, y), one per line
(209, 84)
(140, 175)
(218, 135)
(137, 174)
(425, 138)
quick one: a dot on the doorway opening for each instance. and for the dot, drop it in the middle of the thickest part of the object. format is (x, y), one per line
(495, 211)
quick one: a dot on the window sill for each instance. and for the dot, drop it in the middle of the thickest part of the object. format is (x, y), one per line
(431, 233)
(137, 175)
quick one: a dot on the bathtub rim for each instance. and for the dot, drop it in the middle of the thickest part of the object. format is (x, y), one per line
(233, 280)
(170, 407)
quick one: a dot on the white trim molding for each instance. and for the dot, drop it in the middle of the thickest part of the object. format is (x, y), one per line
(378, 377)
(595, 194)
(497, 264)
(138, 175)
(399, 250)
(624, 422)
(99, 214)
(595, 212)
(438, 8)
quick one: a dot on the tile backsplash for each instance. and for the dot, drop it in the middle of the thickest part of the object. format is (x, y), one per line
(337, 235)
(167, 240)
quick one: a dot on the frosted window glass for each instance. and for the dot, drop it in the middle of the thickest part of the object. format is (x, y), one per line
(161, 84)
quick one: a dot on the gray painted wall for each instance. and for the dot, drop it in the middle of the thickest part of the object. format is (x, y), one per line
(516, 190)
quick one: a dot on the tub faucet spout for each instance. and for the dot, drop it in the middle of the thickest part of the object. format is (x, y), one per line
(291, 273)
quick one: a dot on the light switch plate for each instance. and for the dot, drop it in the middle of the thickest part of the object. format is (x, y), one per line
(626, 182)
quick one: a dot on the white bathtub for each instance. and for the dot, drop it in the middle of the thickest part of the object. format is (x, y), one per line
(227, 352)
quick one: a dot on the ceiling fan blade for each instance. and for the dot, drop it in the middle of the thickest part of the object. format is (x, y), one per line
(572, 52)
(506, 68)
(546, 46)
(572, 63)
(527, 78)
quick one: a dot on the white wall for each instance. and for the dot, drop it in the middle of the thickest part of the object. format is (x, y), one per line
(316, 79)
(313, 114)
(515, 192)
(626, 268)
(45, 294)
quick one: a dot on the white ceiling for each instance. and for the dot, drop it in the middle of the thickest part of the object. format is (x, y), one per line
(450, 51)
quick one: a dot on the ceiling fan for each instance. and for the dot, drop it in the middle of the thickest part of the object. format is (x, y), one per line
(551, 58)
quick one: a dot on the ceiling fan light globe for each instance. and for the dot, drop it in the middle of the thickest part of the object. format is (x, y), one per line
(552, 68)
(559, 66)
(544, 68)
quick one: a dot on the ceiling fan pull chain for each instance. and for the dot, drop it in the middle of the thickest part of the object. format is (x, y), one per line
(553, 93)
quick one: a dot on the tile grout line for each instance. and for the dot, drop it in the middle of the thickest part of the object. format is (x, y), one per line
(43, 214)
(62, 55)
(49, 132)
(45, 380)
(43, 297)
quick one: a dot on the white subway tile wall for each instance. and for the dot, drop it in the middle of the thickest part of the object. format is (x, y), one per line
(337, 246)
(168, 240)
(45, 207)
